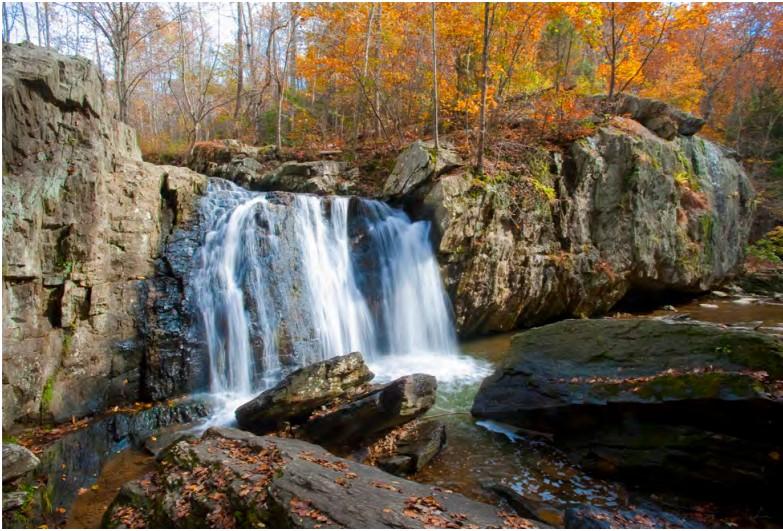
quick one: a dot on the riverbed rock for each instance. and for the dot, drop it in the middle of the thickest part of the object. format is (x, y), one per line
(415, 448)
(83, 222)
(232, 478)
(396, 403)
(672, 403)
(303, 391)
(17, 461)
(570, 234)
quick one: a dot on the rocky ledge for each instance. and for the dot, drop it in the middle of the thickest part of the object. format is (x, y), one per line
(572, 232)
(230, 478)
(678, 405)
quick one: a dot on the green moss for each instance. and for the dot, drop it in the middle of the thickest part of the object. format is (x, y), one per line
(546, 191)
(770, 247)
(47, 395)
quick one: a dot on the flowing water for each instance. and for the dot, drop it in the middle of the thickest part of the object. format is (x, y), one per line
(284, 280)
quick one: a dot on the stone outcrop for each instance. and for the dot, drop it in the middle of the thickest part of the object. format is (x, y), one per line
(676, 404)
(17, 461)
(659, 117)
(84, 219)
(233, 479)
(304, 390)
(258, 169)
(368, 415)
(572, 233)
(418, 163)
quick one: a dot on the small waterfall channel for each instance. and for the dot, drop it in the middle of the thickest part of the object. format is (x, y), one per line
(283, 280)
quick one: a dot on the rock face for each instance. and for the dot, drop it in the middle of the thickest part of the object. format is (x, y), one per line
(676, 403)
(304, 390)
(83, 221)
(17, 461)
(394, 404)
(256, 168)
(232, 479)
(618, 211)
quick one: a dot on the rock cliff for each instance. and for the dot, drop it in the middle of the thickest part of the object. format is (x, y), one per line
(574, 232)
(84, 219)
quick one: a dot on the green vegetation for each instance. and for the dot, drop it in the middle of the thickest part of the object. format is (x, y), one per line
(770, 247)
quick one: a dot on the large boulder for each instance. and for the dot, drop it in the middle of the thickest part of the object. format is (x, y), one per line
(417, 164)
(659, 117)
(233, 479)
(362, 417)
(17, 461)
(84, 219)
(672, 403)
(304, 390)
(570, 234)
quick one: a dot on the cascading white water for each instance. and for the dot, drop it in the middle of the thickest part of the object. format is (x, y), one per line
(284, 280)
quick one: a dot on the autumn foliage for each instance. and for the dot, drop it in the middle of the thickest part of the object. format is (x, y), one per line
(343, 76)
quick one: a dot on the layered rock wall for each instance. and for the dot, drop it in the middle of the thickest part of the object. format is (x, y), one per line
(83, 221)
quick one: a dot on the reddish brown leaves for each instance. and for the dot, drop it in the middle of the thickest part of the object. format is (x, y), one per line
(304, 509)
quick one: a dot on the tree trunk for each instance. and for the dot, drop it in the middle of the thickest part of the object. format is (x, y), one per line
(435, 80)
(240, 69)
(24, 22)
(483, 114)
(46, 23)
(613, 56)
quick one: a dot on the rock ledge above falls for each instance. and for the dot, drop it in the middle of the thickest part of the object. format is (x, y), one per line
(574, 232)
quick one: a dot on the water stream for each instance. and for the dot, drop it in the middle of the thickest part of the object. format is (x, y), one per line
(285, 280)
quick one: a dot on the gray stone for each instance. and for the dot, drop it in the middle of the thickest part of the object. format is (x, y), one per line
(416, 165)
(17, 461)
(83, 222)
(304, 390)
(392, 405)
(232, 478)
(416, 448)
(627, 211)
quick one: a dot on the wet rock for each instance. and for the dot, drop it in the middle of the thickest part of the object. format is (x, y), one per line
(13, 500)
(415, 449)
(591, 517)
(232, 478)
(571, 235)
(315, 177)
(304, 390)
(672, 403)
(531, 507)
(17, 461)
(83, 222)
(75, 460)
(394, 404)
(168, 436)
(416, 165)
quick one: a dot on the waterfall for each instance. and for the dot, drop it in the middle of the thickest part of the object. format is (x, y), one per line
(283, 280)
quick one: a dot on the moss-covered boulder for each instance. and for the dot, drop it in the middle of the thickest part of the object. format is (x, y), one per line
(304, 390)
(675, 403)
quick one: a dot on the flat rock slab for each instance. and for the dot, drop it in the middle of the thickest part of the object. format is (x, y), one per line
(232, 478)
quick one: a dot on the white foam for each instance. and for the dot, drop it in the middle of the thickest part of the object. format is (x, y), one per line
(447, 367)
